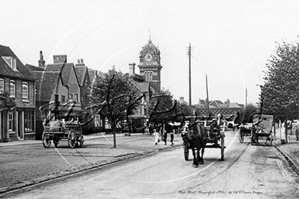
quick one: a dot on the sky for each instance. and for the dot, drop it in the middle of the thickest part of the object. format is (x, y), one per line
(231, 40)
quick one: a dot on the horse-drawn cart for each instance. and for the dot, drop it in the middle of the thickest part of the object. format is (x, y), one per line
(215, 139)
(245, 130)
(262, 127)
(58, 130)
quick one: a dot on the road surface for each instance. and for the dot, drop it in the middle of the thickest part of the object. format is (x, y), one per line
(247, 172)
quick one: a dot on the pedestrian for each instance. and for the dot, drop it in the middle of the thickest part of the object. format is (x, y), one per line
(172, 135)
(156, 136)
(146, 130)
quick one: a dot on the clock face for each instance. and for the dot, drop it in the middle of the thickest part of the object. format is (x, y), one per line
(148, 57)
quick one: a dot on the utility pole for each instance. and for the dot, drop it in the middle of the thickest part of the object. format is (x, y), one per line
(190, 79)
(207, 98)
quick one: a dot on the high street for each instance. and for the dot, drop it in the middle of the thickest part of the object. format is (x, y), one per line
(256, 171)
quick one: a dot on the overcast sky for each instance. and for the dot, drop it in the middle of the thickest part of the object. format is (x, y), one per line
(231, 39)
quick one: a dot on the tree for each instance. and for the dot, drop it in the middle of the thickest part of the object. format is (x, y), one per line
(161, 107)
(250, 109)
(117, 96)
(280, 93)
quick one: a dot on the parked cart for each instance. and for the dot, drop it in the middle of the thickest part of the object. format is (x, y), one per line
(57, 130)
(262, 127)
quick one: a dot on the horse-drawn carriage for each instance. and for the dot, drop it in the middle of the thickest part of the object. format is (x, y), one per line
(208, 138)
(261, 127)
(57, 130)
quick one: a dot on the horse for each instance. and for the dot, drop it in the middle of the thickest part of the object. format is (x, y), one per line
(196, 139)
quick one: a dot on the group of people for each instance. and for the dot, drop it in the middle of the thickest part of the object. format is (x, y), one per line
(161, 133)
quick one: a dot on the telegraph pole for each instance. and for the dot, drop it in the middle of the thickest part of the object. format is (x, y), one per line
(190, 79)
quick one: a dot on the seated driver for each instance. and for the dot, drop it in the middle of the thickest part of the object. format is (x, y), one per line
(214, 130)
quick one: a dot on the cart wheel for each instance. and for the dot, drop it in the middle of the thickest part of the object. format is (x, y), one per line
(72, 139)
(241, 138)
(81, 141)
(55, 141)
(186, 153)
(46, 139)
(222, 147)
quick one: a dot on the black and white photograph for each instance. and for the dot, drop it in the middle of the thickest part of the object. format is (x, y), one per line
(149, 99)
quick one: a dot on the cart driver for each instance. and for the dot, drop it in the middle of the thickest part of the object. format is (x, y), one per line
(214, 130)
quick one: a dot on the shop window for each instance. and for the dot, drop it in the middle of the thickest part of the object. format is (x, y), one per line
(29, 121)
(11, 121)
(12, 89)
(1, 86)
(25, 91)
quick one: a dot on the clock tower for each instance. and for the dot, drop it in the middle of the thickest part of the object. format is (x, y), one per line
(150, 66)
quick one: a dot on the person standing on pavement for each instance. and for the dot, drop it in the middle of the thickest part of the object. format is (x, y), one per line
(156, 136)
(172, 135)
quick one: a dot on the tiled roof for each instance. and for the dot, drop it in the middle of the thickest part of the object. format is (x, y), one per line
(21, 72)
(65, 70)
(46, 82)
(32, 68)
(142, 86)
(80, 72)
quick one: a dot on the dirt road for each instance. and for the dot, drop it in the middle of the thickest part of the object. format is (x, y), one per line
(247, 172)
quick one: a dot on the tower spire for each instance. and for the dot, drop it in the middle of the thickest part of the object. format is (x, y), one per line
(149, 35)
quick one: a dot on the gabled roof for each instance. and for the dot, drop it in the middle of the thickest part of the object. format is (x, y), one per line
(46, 82)
(65, 71)
(20, 73)
(142, 86)
(80, 72)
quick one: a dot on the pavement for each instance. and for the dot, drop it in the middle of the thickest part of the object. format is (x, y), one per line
(134, 146)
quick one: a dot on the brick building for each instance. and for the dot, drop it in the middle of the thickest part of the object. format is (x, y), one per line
(16, 123)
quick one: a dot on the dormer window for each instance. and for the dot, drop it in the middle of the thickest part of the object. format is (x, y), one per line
(11, 62)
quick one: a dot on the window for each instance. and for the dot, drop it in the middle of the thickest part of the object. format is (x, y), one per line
(148, 75)
(12, 62)
(12, 89)
(63, 98)
(76, 98)
(1, 86)
(70, 97)
(24, 91)
(29, 121)
(10, 121)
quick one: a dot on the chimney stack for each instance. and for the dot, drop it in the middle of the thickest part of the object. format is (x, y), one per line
(59, 59)
(131, 69)
(80, 62)
(41, 60)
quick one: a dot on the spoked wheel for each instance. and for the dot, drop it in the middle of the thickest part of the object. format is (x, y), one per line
(72, 139)
(81, 141)
(186, 153)
(222, 146)
(241, 138)
(46, 139)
